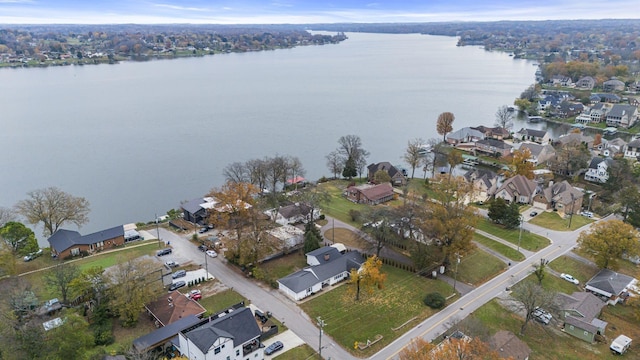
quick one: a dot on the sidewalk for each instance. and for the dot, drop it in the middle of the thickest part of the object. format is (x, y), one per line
(525, 252)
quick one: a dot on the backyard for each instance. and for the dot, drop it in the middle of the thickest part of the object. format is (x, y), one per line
(398, 303)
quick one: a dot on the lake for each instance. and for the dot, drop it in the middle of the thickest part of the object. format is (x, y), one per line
(137, 138)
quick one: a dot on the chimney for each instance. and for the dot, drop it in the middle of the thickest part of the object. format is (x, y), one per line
(551, 183)
(326, 257)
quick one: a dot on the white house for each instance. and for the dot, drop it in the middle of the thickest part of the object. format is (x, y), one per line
(293, 214)
(598, 170)
(327, 266)
(233, 335)
(633, 149)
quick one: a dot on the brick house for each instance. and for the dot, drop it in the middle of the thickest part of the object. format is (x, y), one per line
(561, 197)
(517, 189)
(397, 177)
(66, 243)
(370, 194)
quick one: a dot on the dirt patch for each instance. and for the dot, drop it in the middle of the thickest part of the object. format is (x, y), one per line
(211, 288)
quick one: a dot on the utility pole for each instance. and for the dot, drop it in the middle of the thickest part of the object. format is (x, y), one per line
(157, 230)
(572, 205)
(520, 236)
(455, 278)
(321, 324)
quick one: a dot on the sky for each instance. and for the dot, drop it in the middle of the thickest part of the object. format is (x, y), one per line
(305, 11)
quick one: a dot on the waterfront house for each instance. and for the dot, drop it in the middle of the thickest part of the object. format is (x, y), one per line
(580, 312)
(561, 80)
(232, 336)
(327, 266)
(517, 189)
(464, 135)
(568, 109)
(66, 243)
(493, 147)
(597, 113)
(548, 102)
(498, 132)
(397, 177)
(622, 115)
(633, 149)
(586, 83)
(540, 154)
(195, 210)
(537, 136)
(576, 138)
(561, 197)
(611, 286)
(614, 147)
(598, 170)
(370, 194)
(293, 214)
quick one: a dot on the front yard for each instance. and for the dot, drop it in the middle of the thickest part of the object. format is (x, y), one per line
(399, 302)
(531, 242)
(553, 221)
(477, 267)
(499, 247)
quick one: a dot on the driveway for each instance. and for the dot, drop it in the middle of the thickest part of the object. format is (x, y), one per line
(288, 338)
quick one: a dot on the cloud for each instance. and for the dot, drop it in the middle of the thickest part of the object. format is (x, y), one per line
(178, 7)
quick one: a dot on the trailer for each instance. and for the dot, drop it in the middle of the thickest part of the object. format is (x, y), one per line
(620, 345)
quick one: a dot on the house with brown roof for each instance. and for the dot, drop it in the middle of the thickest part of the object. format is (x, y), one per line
(498, 132)
(580, 312)
(370, 194)
(172, 307)
(577, 138)
(484, 183)
(561, 197)
(517, 189)
(509, 346)
(397, 177)
(540, 154)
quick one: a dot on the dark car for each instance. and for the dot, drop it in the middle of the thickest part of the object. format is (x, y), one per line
(179, 274)
(533, 213)
(276, 346)
(164, 252)
(202, 248)
(177, 285)
(203, 230)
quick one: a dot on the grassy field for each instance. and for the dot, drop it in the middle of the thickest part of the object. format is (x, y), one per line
(477, 267)
(301, 352)
(283, 266)
(531, 242)
(221, 301)
(550, 342)
(498, 247)
(339, 206)
(579, 270)
(400, 301)
(553, 221)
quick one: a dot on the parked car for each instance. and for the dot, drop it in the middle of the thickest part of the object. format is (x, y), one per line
(212, 253)
(570, 278)
(203, 230)
(177, 285)
(164, 252)
(202, 248)
(195, 295)
(32, 255)
(588, 214)
(533, 213)
(171, 264)
(541, 315)
(179, 274)
(276, 346)
(194, 292)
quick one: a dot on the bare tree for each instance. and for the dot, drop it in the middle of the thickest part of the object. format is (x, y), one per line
(295, 168)
(531, 296)
(53, 207)
(236, 172)
(6, 215)
(276, 171)
(504, 117)
(350, 149)
(444, 124)
(334, 163)
(413, 154)
(257, 169)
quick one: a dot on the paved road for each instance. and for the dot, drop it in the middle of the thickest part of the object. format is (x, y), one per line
(295, 319)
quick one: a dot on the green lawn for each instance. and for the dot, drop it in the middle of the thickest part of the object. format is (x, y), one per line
(501, 248)
(477, 267)
(553, 221)
(555, 283)
(531, 242)
(579, 270)
(301, 352)
(399, 301)
(282, 266)
(339, 206)
(221, 301)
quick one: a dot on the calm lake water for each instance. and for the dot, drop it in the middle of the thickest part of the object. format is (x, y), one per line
(136, 139)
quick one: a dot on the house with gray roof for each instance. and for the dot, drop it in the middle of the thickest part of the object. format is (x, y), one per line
(598, 170)
(613, 85)
(293, 214)
(492, 147)
(464, 135)
(540, 154)
(517, 189)
(580, 312)
(536, 136)
(622, 115)
(633, 149)
(561, 197)
(586, 83)
(327, 266)
(195, 210)
(614, 146)
(576, 138)
(397, 177)
(610, 285)
(233, 335)
(509, 346)
(484, 183)
(65, 243)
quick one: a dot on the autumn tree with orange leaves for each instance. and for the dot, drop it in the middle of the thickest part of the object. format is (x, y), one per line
(520, 164)
(444, 124)
(449, 349)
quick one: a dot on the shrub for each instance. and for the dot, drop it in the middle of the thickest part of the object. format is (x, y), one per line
(434, 300)
(321, 217)
(355, 215)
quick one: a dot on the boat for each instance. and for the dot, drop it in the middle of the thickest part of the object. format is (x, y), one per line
(578, 126)
(610, 131)
(534, 119)
(425, 149)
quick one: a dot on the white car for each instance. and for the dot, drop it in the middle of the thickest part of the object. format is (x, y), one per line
(212, 253)
(570, 278)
